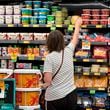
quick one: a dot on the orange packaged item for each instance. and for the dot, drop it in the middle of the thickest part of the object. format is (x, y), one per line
(88, 81)
(27, 98)
(27, 78)
(79, 81)
(100, 82)
(36, 51)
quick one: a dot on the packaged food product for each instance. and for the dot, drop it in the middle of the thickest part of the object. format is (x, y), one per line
(2, 19)
(88, 81)
(36, 4)
(99, 52)
(103, 21)
(95, 11)
(26, 12)
(17, 10)
(94, 22)
(105, 11)
(100, 82)
(96, 17)
(28, 4)
(2, 9)
(86, 11)
(42, 19)
(85, 16)
(16, 19)
(86, 22)
(9, 9)
(95, 68)
(9, 19)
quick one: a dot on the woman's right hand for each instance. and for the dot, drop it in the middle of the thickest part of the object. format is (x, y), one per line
(78, 22)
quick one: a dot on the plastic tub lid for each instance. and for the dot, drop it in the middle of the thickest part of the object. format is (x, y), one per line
(42, 17)
(27, 71)
(6, 71)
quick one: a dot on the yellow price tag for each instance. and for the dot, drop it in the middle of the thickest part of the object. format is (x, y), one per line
(85, 73)
(88, 109)
(48, 25)
(98, 26)
(35, 25)
(43, 58)
(97, 74)
(100, 60)
(85, 60)
(26, 42)
(74, 60)
(58, 25)
(101, 89)
(31, 57)
(84, 26)
(10, 25)
(26, 25)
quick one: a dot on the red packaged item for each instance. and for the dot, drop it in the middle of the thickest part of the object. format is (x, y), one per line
(94, 22)
(104, 16)
(85, 16)
(86, 11)
(100, 52)
(105, 11)
(97, 17)
(95, 11)
(109, 20)
(86, 22)
(103, 21)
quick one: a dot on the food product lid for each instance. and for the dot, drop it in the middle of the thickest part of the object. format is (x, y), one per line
(27, 71)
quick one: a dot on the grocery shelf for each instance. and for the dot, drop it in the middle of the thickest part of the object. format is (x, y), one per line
(8, 41)
(32, 42)
(52, 25)
(92, 74)
(5, 57)
(8, 25)
(99, 43)
(92, 88)
(89, 60)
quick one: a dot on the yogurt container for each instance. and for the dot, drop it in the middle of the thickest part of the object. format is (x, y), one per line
(36, 12)
(25, 19)
(2, 10)
(42, 19)
(37, 4)
(2, 19)
(9, 10)
(33, 20)
(26, 12)
(28, 4)
(16, 9)
(43, 11)
(8, 19)
(16, 19)
(50, 19)
(45, 4)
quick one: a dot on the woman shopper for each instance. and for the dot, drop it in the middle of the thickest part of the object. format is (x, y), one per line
(60, 93)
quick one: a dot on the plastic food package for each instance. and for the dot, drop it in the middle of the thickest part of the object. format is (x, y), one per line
(88, 81)
(100, 81)
(99, 52)
(95, 68)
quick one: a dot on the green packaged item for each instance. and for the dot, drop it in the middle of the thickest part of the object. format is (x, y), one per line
(26, 12)
(58, 14)
(55, 8)
(28, 4)
(33, 20)
(66, 22)
(42, 19)
(25, 19)
(37, 4)
(50, 19)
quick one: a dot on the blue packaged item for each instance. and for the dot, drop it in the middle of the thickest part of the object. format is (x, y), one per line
(28, 4)
(36, 11)
(43, 11)
(45, 4)
(42, 19)
(37, 4)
